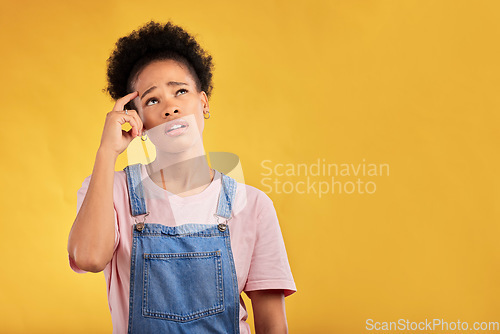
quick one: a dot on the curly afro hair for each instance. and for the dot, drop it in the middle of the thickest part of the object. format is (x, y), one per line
(155, 41)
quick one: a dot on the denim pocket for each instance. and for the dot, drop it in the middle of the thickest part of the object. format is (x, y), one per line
(182, 286)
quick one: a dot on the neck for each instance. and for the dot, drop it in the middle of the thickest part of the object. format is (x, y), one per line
(183, 173)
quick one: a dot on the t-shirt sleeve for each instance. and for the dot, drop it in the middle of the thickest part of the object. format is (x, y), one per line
(269, 267)
(80, 196)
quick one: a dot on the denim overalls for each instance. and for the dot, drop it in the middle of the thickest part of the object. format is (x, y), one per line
(182, 278)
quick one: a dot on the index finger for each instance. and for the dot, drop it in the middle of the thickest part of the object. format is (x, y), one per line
(121, 102)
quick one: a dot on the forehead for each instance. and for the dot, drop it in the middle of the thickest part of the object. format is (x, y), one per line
(162, 71)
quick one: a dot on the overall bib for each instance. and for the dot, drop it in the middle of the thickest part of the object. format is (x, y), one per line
(182, 278)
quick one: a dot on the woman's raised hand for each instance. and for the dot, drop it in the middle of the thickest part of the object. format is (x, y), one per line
(91, 240)
(115, 140)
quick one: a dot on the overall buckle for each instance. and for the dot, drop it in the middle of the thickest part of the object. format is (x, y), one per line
(139, 226)
(221, 226)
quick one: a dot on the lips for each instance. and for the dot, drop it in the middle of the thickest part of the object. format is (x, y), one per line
(176, 127)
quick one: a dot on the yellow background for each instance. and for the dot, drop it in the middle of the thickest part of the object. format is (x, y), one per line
(413, 84)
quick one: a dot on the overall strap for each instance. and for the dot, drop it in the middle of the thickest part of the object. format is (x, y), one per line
(135, 190)
(226, 196)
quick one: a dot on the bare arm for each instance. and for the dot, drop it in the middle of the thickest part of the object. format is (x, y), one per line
(269, 311)
(92, 236)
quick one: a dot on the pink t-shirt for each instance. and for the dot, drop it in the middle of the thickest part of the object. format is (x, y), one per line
(256, 241)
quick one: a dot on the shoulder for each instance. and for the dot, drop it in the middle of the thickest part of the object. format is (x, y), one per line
(119, 183)
(120, 198)
(119, 178)
(251, 198)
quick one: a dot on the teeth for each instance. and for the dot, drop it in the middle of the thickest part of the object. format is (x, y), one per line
(175, 127)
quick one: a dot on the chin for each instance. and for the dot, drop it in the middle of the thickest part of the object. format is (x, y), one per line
(178, 144)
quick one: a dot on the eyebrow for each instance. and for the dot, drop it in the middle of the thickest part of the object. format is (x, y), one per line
(170, 83)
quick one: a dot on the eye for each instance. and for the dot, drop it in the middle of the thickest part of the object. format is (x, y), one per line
(181, 91)
(151, 101)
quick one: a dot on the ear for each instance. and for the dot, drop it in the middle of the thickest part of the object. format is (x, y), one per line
(204, 101)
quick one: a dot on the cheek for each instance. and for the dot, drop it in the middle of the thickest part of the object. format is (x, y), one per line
(200, 123)
(139, 111)
(141, 114)
(148, 118)
(136, 103)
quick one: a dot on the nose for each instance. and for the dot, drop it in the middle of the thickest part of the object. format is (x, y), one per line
(168, 113)
(169, 108)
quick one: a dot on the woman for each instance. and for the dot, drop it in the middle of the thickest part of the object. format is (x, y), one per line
(178, 241)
